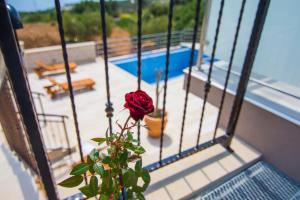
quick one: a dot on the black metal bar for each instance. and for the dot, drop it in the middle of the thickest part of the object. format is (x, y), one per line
(197, 16)
(41, 106)
(229, 66)
(17, 75)
(68, 75)
(109, 109)
(139, 43)
(37, 93)
(258, 25)
(171, 159)
(139, 55)
(170, 16)
(207, 84)
(66, 135)
(52, 115)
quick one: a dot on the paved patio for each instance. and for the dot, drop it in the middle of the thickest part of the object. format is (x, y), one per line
(92, 118)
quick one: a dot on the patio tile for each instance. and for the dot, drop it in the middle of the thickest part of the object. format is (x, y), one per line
(178, 189)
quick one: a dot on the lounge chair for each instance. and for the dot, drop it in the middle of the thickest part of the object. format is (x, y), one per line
(57, 87)
(42, 68)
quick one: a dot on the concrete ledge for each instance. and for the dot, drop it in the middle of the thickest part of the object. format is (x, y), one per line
(272, 133)
(78, 52)
(207, 168)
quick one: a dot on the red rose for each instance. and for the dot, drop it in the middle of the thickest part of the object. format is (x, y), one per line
(139, 104)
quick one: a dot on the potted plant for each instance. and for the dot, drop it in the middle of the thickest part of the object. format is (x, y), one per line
(107, 169)
(154, 120)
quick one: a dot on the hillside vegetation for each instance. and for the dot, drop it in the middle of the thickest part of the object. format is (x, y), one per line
(82, 21)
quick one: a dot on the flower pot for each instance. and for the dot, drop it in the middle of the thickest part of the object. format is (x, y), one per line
(154, 125)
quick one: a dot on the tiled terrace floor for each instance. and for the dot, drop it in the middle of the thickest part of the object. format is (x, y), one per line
(91, 105)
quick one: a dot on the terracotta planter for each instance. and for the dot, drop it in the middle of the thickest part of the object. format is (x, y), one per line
(154, 125)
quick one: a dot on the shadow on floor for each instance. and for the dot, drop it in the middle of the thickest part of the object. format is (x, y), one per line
(156, 141)
(24, 178)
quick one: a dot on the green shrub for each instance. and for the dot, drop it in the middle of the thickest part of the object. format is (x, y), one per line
(155, 25)
(128, 22)
(85, 26)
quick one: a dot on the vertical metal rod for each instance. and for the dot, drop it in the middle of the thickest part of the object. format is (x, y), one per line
(258, 25)
(66, 135)
(42, 108)
(170, 16)
(139, 54)
(17, 74)
(229, 66)
(109, 109)
(197, 14)
(207, 84)
(68, 75)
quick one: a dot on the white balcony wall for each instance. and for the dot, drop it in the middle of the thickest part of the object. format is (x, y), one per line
(279, 46)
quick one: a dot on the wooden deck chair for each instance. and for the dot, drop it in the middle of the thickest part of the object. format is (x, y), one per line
(42, 68)
(57, 87)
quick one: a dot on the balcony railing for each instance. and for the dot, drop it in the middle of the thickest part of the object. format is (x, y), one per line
(15, 68)
(128, 45)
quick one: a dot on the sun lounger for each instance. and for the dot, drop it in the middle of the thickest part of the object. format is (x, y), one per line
(42, 68)
(57, 87)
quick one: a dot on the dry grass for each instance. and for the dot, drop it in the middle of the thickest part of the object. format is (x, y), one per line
(39, 35)
(126, 47)
(46, 34)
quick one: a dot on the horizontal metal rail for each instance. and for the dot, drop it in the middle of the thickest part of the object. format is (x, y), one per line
(124, 45)
(52, 115)
(171, 159)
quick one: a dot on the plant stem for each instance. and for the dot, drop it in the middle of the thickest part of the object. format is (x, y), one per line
(122, 186)
(124, 127)
(158, 75)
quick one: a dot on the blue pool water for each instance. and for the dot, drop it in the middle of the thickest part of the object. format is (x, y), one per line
(151, 62)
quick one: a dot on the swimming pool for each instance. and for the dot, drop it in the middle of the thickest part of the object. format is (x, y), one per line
(179, 60)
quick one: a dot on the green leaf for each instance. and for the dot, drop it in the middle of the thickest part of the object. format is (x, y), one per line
(123, 157)
(99, 168)
(146, 176)
(104, 197)
(138, 166)
(140, 196)
(107, 184)
(129, 136)
(139, 150)
(106, 160)
(94, 185)
(90, 190)
(111, 150)
(129, 146)
(80, 169)
(72, 181)
(91, 163)
(129, 194)
(99, 140)
(94, 155)
(139, 189)
(130, 178)
(86, 190)
(117, 196)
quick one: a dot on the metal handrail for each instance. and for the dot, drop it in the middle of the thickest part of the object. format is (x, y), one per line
(159, 39)
(52, 115)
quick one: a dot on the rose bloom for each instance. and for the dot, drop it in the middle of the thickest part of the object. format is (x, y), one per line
(139, 104)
